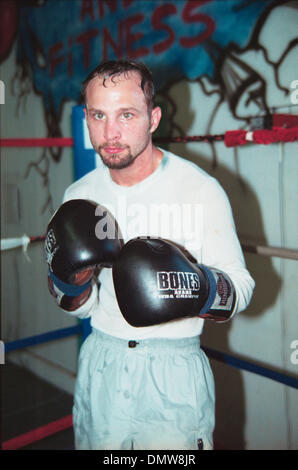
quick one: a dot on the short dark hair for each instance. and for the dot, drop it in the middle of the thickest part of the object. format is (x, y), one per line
(112, 68)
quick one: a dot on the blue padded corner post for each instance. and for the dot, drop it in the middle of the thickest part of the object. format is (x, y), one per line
(83, 162)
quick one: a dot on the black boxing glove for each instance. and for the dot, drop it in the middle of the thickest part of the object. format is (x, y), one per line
(156, 283)
(75, 245)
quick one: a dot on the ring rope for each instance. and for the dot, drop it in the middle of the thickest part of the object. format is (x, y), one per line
(37, 434)
(223, 357)
(231, 138)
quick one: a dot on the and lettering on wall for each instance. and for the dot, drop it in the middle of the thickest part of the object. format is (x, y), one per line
(60, 42)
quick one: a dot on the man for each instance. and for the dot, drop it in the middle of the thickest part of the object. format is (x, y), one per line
(143, 381)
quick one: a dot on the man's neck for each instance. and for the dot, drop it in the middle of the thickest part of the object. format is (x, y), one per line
(142, 167)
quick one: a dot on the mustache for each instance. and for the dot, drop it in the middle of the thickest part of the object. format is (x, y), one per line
(112, 144)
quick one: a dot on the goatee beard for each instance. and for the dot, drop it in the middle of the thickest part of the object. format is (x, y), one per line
(114, 162)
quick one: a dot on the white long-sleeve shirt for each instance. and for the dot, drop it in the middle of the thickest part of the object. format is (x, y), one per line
(178, 202)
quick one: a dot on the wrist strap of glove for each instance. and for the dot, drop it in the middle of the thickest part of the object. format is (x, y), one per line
(221, 299)
(70, 290)
(212, 290)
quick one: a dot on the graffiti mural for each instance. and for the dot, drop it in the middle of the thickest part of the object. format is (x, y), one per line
(60, 42)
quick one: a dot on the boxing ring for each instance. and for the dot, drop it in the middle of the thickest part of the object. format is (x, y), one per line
(82, 329)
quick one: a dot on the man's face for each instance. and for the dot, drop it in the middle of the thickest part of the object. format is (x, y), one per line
(118, 120)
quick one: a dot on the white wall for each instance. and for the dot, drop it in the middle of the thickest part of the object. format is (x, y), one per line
(27, 308)
(252, 412)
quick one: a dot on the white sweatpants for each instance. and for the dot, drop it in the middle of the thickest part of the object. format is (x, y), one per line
(143, 395)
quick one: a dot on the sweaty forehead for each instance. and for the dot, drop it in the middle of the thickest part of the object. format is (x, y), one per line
(121, 87)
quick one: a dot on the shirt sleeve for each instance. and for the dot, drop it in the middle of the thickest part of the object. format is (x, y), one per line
(221, 248)
(85, 310)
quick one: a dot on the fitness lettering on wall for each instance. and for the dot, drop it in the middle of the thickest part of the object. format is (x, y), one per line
(176, 39)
